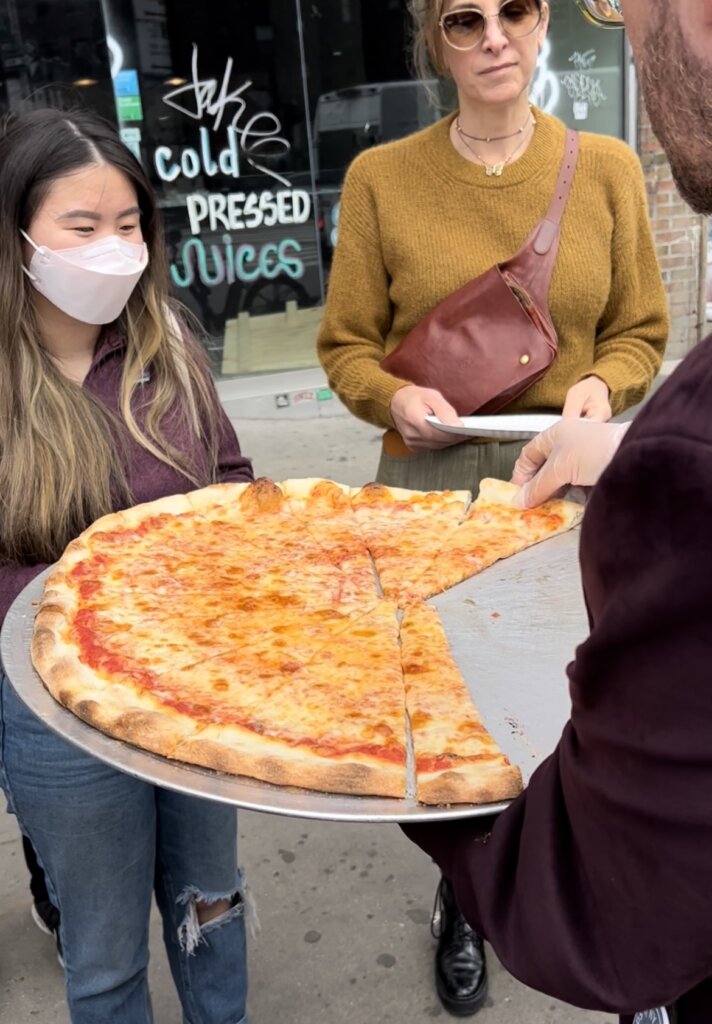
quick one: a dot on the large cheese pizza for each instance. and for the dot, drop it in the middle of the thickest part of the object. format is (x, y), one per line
(279, 631)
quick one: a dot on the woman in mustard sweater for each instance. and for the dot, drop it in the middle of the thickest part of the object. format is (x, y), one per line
(422, 216)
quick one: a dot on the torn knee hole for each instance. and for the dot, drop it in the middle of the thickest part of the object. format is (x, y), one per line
(210, 911)
(202, 910)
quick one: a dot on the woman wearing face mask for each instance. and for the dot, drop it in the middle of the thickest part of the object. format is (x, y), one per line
(422, 216)
(105, 402)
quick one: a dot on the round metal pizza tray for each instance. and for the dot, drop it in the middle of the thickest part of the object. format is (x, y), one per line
(512, 630)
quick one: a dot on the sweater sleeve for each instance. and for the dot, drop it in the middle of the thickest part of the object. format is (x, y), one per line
(633, 330)
(595, 886)
(358, 313)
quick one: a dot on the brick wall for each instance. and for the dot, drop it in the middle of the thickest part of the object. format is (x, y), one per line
(681, 240)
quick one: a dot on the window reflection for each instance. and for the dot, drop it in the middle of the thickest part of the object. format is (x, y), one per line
(53, 54)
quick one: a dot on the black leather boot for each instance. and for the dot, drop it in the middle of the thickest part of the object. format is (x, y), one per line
(460, 967)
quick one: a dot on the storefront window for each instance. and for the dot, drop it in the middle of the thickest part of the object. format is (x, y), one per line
(580, 73)
(246, 114)
(218, 118)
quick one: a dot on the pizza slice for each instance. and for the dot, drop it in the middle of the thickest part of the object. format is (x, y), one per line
(404, 529)
(270, 537)
(314, 701)
(335, 723)
(456, 759)
(324, 507)
(492, 529)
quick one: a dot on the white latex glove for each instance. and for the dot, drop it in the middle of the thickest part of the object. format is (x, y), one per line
(588, 399)
(571, 453)
(409, 407)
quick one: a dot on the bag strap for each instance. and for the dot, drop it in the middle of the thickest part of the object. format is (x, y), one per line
(549, 226)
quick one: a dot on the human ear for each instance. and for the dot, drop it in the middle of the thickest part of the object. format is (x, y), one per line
(543, 25)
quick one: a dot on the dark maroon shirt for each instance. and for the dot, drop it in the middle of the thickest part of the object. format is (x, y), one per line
(148, 478)
(595, 886)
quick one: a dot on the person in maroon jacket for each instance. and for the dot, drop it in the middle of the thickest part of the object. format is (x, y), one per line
(595, 886)
(106, 401)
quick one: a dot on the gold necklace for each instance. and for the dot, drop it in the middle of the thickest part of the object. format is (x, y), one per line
(494, 169)
(494, 138)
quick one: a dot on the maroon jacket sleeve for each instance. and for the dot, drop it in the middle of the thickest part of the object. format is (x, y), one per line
(595, 886)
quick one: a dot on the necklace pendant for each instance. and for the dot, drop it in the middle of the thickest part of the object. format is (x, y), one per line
(495, 169)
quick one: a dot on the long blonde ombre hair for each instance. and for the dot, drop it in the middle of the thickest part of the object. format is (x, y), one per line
(61, 459)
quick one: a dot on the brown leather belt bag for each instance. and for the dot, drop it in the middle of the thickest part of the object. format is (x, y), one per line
(489, 341)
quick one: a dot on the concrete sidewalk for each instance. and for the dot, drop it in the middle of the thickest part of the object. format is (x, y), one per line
(345, 909)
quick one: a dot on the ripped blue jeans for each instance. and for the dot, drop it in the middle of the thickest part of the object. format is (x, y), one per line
(107, 841)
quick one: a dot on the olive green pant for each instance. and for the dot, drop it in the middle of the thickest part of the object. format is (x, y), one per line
(459, 468)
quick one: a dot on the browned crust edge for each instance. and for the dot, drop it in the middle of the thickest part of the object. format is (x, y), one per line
(382, 495)
(314, 488)
(469, 785)
(215, 496)
(300, 769)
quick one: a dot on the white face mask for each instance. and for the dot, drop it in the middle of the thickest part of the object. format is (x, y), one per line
(91, 283)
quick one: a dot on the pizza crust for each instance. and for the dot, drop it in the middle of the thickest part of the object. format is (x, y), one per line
(500, 492)
(130, 518)
(218, 495)
(376, 493)
(237, 752)
(311, 486)
(470, 784)
(107, 711)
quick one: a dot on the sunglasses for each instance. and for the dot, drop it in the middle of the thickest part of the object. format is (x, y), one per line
(464, 28)
(604, 13)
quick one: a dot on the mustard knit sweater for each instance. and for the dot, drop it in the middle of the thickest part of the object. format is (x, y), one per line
(417, 221)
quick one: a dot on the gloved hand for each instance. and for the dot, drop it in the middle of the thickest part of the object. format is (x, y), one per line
(571, 453)
(409, 407)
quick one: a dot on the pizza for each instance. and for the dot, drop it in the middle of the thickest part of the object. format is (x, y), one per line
(279, 632)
